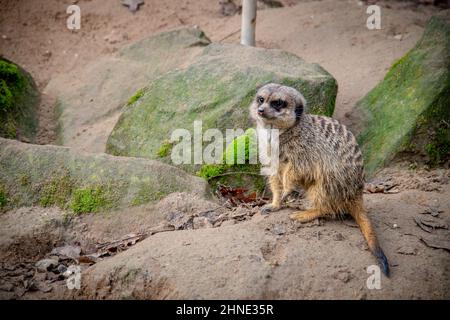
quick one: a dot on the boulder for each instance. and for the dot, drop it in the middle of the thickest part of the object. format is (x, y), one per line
(90, 98)
(409, 111)
(216, 88)
(18, 102)
(53, 175)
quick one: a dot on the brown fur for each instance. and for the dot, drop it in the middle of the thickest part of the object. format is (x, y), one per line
(317, 153)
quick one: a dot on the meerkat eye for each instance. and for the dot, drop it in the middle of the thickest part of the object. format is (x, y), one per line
(278, 104)
(260, 100)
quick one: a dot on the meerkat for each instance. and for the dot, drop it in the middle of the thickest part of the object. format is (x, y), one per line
(318, 154)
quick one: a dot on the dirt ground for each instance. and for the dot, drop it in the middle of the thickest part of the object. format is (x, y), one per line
(244, 255)
(329, 32)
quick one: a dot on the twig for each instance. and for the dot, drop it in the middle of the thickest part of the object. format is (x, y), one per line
(231, 173)
(163, 229)
(230, 35)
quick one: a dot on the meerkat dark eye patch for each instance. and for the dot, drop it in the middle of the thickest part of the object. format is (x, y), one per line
(278, 104)
(298, 110)
(260, 99)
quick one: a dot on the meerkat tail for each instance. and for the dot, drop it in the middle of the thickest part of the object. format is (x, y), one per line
(366, 227)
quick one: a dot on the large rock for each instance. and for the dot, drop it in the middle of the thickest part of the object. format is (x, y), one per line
(18, 102)
(90, 98)
(52, 175)
(410, 109)
(216, 88)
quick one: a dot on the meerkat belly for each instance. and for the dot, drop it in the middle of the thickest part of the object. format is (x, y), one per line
(326, 166)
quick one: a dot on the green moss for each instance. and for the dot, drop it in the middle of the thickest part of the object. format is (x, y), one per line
(260, 185)
(12, 84)
(6, 96)
(57, 192)
(17, 101)
(135, 97)
(90, 199)
(236, 174)
(24, 180)
(209, 171)
(409, 103)
(164, 149)
(147, 194)
(3, 197)
(248, 140)
(439, 148)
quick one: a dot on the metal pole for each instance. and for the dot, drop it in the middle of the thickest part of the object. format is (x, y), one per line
(248, 22)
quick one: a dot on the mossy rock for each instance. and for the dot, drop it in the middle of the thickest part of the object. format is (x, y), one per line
(18, 102)
(58, 176)
(216, 88)
(409, 111)
(90, 98)
(239, 168)
(3, 197)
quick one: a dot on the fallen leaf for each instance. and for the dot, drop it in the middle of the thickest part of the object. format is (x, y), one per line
(429, 224)
(437, 243)
(68, 251)
(237, 196)
(407, 250)
(122, 244)
(433, 211)
(90, 259)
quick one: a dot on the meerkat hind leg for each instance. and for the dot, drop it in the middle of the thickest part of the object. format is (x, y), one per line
(307, 215)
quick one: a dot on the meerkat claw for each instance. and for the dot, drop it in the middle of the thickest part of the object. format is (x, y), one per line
(269, 208)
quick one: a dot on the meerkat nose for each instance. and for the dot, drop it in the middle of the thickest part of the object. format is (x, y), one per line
(260, 110)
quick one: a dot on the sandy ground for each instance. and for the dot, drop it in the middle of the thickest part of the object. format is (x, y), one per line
(331, 33)
(247, 256)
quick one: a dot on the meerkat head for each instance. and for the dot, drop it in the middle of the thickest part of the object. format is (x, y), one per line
(277, 105)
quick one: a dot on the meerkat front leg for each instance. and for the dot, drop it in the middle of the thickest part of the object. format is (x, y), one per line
(288, 183)
(307, 215)
(276, 188)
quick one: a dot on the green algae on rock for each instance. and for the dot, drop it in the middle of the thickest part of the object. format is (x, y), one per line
(240, 168)
(58, 176)
(18, 102)
(409, 111)
(216, 88)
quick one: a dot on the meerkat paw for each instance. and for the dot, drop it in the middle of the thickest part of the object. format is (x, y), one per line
(270, 208)
(306, 216)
